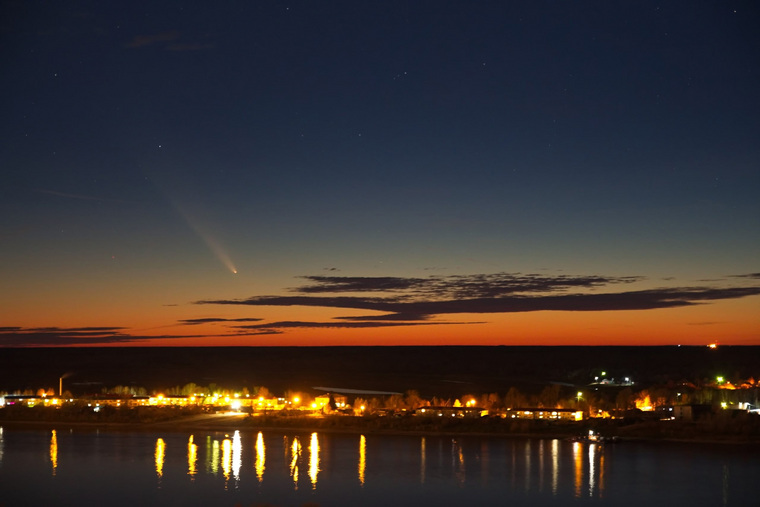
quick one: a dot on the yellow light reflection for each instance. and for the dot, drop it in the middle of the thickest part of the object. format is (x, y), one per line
(237, 455)
(457, 457)
(313, 460)
(159, 455)
(207, 462)
(423, 464)
(601, 474)
(362, 458)
(54, 451)
(578, 468)
(528, 454)
(260, 457)
(295, 451)
(192, 458)
(226, 459)
(213, 457)
(555, 465)
(540, 465)
(591, 469)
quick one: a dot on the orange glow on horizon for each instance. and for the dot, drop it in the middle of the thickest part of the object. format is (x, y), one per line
(731, 322)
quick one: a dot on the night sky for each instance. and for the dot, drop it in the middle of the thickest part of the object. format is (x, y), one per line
(372, 173)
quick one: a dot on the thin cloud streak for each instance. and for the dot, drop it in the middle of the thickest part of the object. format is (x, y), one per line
(338, 325)
(213, 320)
(92, 336)
(387, 317)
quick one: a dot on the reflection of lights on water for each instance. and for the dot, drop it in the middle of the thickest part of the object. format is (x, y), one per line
(1, 444)
(555, 465)
(237, 455)
(226, 459)
(594, 474)
(457, 457)
(601, 474)
(591, 470)
(527, 465)
(54, 451)
(295, 451)
(314, 460)
(540, 465)
(362, 458)
(588, 462)
(422, 460)
(159, 455)
(260, 457)
(578, 468)
(213, 457)
(192, 458)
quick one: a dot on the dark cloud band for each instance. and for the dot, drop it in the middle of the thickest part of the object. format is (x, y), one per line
(414, 298)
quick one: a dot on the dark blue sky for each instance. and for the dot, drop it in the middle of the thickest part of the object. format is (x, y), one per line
(166, 144)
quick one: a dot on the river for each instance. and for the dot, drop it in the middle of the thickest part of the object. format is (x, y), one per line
(117, 468)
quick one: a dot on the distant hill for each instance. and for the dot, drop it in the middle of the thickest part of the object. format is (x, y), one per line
(439, 371)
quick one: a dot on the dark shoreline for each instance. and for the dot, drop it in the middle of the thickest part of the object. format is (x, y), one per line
(442, 371)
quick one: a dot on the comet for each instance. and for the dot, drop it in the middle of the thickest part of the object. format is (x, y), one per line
(211, 242)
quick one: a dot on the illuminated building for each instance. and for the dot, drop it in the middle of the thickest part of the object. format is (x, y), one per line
(460, 411)
(548, 414)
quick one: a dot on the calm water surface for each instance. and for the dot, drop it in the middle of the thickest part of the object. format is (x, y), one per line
(206, 468)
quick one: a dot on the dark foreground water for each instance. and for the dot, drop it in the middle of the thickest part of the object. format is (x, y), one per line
(82, 467)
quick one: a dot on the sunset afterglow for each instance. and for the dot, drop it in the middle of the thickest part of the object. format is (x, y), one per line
(387, 173)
